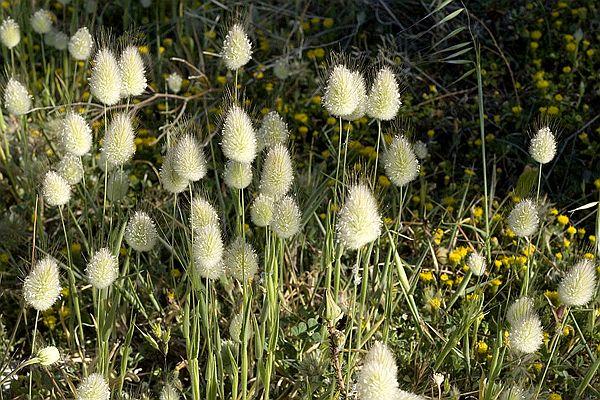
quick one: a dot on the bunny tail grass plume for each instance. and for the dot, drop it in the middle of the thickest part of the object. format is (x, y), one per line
(119, 140)
(56, 189)
(476, 263)
(48, 355)
(523, 220)
(521, 309)
(188, 158)
(527, 335)
(237, 175)
(361, 92)
(103, 269)
(133, 72)
(420, 149)
(273, 130)
(237, 49)
(400, 162)
(543, 145)
(94, 387)
(402, 395)
(377, 378)
(10, 33)
(81, 44)
(286, 218)
(239, 139)
(514, 393)
(105, 80)
(359, 221)
(261, 210)
(168, 392)
(174, 82)
(41, 21)
(16, 98)
(579, 284)
(202, 214)
(384, 97)
(171, 182)
(70, 168)
(241, 261)
(41, 288)
(141, 233)
(76, 134)
(341, 94)
(208, 252)
(277, 174)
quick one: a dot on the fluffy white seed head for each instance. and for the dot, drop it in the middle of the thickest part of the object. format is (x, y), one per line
(579, 284)
(543, 146)
(141, 232)
(133, 72)
(55, 189)
(41, 288)
(514, 393)
(239, 139)
(261, 210)
(237, 175)
(273, 130)
(10, 33)
(168, 392)
(241, 261)
(527, 335)
(76, 134)
(208, 252)
(277, 174)
(105, 80)
(70, 168)
(520, 310)
(202, 214)
(286, 218)
(119, 140)
(81, 44)
(16, 98)
(361, 92)
(384, 97)
(94, 387)
(377, 379)
(523, 220)
(476, 263)
(103, 269)
(48, 355)
(402, 395)
(341, 94)
(400, 162)
(420, 149)
(41, 21)
(188, 158)
(359, 221)
(174, 81)
(170, 180)
(237, 49)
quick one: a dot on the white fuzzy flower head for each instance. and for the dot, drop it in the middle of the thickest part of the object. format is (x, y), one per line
(76, 134)
(237, 175)
(105, 80)
(103, 269)
(10, 33)
(476, 263)
(361, 92)
(119, 145)
(71, 169)
(286, 218)
(261, 210)
(94, 387)
(41, 21)
(133, 72)
(16, 98)
(520, 310)
(174, 82)
(81, 44)
(208, 251)
(273, 130)
(141, 232)
(514, 393)
(41, 288)
(188, 158)
(579, 284)
(527, 334)
(237, 49)
(523, 220)
(277, 174)
(241, 261)
(384, 98)
(55, 189)
(420, 149)
(48, 355)
(402, 395)
(341, 94)
(202, 214)
(400, 162)
(239, 139)
(543, 146)
(377, 379)
(168, 392)
(359, 221)
(170, 180)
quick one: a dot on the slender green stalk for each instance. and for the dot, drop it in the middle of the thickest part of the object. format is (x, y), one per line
(553, 347)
